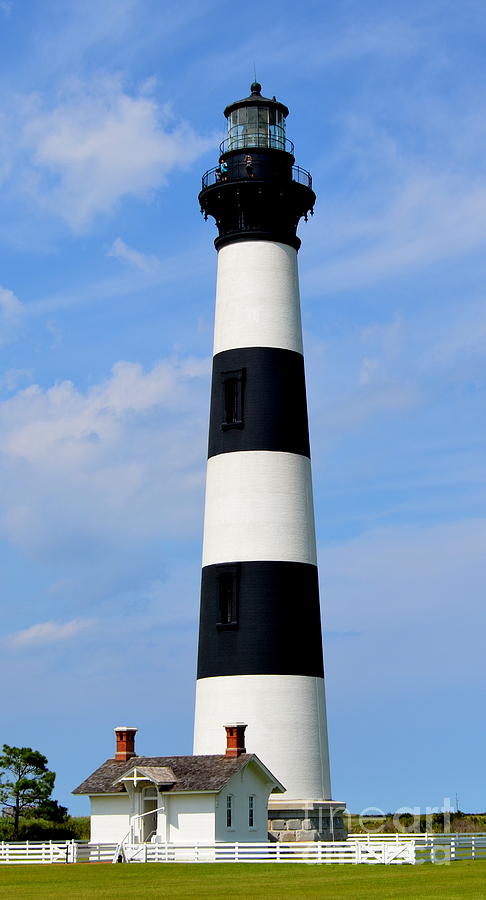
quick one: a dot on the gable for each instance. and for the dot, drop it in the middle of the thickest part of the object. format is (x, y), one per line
(255, 777)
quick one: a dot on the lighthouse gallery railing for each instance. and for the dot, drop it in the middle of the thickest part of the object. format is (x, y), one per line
(239, 173)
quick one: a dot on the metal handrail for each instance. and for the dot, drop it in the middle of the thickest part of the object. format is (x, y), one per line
(239, 173)
(302, 176)
(257, 139)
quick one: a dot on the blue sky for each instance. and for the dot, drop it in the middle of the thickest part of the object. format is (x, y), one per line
(110, 114)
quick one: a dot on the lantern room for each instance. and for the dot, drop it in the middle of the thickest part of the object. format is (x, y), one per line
(256, 190)
(256, 121)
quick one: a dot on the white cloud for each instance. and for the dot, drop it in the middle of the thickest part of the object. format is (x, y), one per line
(370, 369)
(405, 185)
(428, 218)
(307, 50)
(143, 261)
(385, 339)
(15, 377)
(11, 315)
(48, 633)
(6, 7)
(118, 463)
(188, 265)
(99, 143)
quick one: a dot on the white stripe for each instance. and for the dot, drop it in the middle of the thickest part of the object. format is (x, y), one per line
(259, 507)
(286, 720)
(257, 297)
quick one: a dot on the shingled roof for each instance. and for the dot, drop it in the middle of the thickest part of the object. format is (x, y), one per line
(192, 773)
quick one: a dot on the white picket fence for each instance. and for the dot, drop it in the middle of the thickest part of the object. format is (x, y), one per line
(31, 852)
(358, 849)
(431, 847)
(300, 852)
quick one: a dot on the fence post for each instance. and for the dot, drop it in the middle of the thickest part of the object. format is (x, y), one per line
(473, 847)
(413, 855)
(236, 851)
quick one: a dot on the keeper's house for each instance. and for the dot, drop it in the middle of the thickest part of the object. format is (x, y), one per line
(180, 798)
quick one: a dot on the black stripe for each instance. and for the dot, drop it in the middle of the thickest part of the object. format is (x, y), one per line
(274, 405)
(277, 629)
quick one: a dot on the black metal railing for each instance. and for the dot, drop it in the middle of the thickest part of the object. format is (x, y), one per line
(240, 172)
(257, 139)
(302, 176)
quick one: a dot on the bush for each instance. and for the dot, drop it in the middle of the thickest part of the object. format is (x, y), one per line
(43, 830)
(36, 828)
(80, 825)
(6, 829)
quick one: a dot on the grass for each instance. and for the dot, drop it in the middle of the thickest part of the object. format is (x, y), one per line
(459, 881)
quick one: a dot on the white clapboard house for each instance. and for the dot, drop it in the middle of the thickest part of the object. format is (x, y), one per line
(180, 798)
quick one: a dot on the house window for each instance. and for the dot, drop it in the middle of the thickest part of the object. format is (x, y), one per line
(229, 811)
(228, 596)
(251, 811)
(232, 412)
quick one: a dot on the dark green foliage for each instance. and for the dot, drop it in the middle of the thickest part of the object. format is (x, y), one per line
(25, 782)
(35, 828)
(50, 810)
(30, 814)
(80, 827)
(38, 829)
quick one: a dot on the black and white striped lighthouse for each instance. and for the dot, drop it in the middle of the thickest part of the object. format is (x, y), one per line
(260, 648)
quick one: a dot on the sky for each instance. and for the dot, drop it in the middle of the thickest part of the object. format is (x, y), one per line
(110, 114)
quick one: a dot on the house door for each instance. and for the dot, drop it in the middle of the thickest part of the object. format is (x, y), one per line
(149, 822)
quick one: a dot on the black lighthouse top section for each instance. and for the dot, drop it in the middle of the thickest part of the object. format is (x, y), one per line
(257, 192)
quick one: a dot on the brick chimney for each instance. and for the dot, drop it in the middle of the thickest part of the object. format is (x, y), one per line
(125, 742)
(235, 739)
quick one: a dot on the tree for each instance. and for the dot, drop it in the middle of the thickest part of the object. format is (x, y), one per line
(50, 810)
(25, 781)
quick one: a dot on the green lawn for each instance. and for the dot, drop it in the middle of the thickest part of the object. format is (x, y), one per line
(243, 882)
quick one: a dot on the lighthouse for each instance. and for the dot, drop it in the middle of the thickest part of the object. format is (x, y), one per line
(260, 660)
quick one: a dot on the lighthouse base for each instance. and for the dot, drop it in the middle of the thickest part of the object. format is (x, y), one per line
(306, 820)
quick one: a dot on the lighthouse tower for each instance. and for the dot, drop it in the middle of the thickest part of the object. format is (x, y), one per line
(260, 648)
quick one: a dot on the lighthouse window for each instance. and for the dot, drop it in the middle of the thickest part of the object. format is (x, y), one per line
(251, 811)
(256, 126)
(233, 399)
(228, 597)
